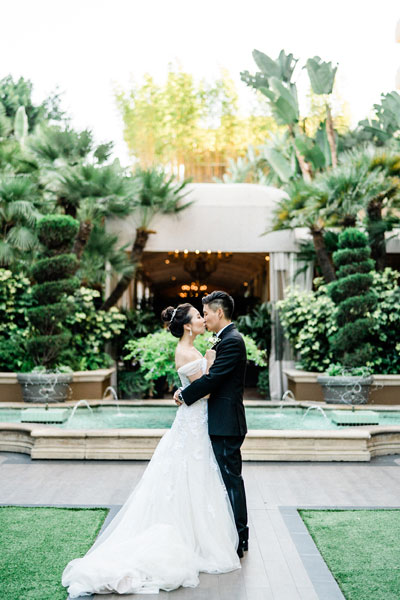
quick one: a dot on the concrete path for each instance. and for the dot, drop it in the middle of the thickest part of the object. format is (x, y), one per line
(282, 562)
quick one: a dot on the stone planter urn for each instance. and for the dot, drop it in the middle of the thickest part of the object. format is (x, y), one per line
(345, 389)
(45, 387)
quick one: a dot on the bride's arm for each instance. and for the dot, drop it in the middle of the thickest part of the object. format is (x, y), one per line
(195, 376)
(210, 358)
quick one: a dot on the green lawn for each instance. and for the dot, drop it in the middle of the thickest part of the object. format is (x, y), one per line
(37, 543)
(361, 548)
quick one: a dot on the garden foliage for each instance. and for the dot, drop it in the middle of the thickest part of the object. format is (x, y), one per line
(309, 321)
(53, 274)
(354, 298)
(154, 356)
(91, 328)
(15, 297)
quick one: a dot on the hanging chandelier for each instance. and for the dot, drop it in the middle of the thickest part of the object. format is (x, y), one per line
(199, 265)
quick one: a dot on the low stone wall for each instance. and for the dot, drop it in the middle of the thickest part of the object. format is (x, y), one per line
(86, 385)
(303, 384)
(46, 442)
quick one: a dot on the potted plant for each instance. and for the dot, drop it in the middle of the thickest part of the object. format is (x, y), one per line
(355, 302)
(48, 336)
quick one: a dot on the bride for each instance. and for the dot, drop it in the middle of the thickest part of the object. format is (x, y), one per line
(178, 520)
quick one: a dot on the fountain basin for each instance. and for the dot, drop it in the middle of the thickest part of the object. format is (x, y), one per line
(277, 442)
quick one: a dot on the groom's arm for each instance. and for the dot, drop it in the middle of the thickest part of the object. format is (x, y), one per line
(227, 358)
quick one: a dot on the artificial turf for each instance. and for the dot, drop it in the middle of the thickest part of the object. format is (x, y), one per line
(36, 543)
(361, 548)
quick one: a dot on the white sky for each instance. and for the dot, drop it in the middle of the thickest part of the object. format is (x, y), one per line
(83, 46)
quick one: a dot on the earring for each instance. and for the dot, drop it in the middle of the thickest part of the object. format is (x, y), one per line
(190, 332)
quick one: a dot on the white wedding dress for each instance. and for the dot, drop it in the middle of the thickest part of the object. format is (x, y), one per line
(177, 521)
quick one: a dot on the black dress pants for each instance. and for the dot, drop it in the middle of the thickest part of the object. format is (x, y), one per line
(229, 459)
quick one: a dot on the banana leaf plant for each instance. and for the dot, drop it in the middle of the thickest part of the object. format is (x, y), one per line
(322, 77)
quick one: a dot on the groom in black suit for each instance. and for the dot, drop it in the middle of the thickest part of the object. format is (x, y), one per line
(226, 416)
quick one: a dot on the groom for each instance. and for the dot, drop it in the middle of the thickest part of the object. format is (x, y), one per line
(226, 416)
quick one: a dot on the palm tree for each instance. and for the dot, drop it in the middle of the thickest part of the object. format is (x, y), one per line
(91, 194)
(19, 211)
(307, 203)
(72, 171)
(156, 194)
(374, 184)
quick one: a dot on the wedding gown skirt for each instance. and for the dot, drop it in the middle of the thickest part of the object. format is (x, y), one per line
(177, 521)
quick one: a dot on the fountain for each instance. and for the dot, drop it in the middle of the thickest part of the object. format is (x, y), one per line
(318, 408)
(115, 397)
(84, 402)
(287, 396)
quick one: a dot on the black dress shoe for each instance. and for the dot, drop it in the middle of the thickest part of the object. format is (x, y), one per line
(240, 552)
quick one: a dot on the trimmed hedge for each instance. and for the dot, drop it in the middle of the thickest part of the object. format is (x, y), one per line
(345, 256)
(50, 291)
(49, 317)
(54, 267)
(53, 273)
(57, 233)
(355, 300)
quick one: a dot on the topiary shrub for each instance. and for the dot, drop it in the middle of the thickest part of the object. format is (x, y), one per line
(309, 321)
(354, 298)
(53, 274)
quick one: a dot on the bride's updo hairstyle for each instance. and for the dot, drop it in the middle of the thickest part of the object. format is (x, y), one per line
(177, 318)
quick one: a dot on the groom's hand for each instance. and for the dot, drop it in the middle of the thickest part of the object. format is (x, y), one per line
(176, 397)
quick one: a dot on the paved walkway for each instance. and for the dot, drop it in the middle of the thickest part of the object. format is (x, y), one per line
(282, 562)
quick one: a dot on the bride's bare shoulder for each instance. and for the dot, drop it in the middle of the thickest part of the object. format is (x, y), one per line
(184, 355)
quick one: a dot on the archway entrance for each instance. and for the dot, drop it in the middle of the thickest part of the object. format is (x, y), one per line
(186, 276)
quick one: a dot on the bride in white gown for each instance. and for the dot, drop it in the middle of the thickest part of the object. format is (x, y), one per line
(178, 520)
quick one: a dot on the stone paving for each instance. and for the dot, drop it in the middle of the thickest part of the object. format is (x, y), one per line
(282, 562)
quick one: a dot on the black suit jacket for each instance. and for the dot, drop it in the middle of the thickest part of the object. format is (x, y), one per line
(225, 384)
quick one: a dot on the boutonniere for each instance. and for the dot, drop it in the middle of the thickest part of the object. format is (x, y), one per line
(213, 340)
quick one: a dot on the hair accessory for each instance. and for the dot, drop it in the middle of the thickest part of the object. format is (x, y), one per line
(173, 315)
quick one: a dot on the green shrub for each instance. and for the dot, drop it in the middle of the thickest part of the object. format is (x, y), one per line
(47, 350)
(352, 285)
(154, 355)
(132, 384)
(49, 292)
(263, 382)
(90, 327)
(49, 317)
(257, 324)
(350, 344)
(345, 256)
(91, 330)
(309, 320)
(57, 233)
(138, 323)
(306, 318)
(54, 268)
(364, 266)
(48, 336)
(15, 297)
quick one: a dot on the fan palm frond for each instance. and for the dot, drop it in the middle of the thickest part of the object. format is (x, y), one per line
(22, 238)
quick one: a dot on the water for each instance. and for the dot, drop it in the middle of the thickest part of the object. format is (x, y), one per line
(80, 403)
(114, 395)
(145, 417)
(319, 409)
